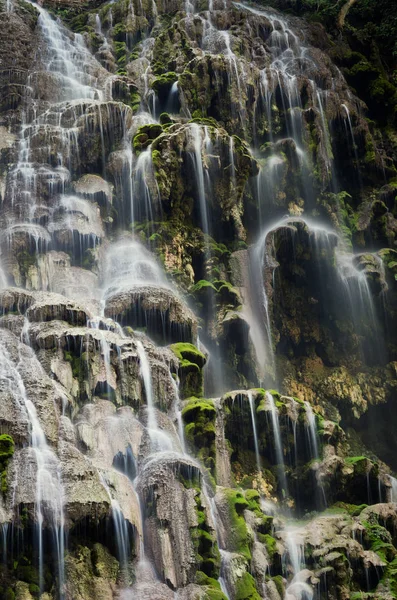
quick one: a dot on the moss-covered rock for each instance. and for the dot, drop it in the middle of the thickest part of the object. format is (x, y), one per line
(191, 363)
(199, 416)
(7, 448)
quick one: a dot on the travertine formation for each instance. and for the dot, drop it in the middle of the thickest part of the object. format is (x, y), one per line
(197, 309)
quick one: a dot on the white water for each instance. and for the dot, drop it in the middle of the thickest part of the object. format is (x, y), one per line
(49, 499)
(277, 441)
(146, 196)
(178, 414)
(393, 481)
(160, 441)
(197, 158)
(294, 561)
(3, 278)
(312, 429)
(120, 528)
(254, 430)
(128, 264)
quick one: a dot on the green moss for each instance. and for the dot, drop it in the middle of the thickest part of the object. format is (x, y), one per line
(390, 577)
(189, 352)
(165, 119)
(214, 594)
(271, 545)
(199, 416)
(279, 582)
(191, 363)
(246, 589)
(34, 590)
(353, 510)
(163, 83)
(145, 136)
(10, 594)
(7, 448)
(239, 535)
(353, 460)
(206, 548)
(380, 541)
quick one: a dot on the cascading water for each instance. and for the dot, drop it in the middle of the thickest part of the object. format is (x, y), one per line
(120, 529)
(254, 430)
(128, 264)
(49, 496)
(312, 430)
(72, 129)
(277, 442)
(159, 439)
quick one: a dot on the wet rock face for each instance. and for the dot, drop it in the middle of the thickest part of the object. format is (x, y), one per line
(159, 311)
(171, 519)
(16, 55)
(191, 203)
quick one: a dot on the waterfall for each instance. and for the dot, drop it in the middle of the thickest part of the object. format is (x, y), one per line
(277, 442)
(128, 264)
(67, 57)
(254, 430)
(178, 412)
(393, 496)
(197, 159)
(120, 528)
(50, 496)
(3, 279)
(146, 197)
(312, 429)
(117, 199)
(159, 439)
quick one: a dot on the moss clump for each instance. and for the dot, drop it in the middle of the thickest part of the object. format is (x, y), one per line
(266, 522)
(246, 589)
(189, 352)
(7, 448)
(191, 363)
(10, 594)
(163, 83)
(239, 536)
(279, 583)
(212, 587)
(199, 416)
(207, 553)
(380, 541)
(145, 136)
(354, 510)
(271, 545)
